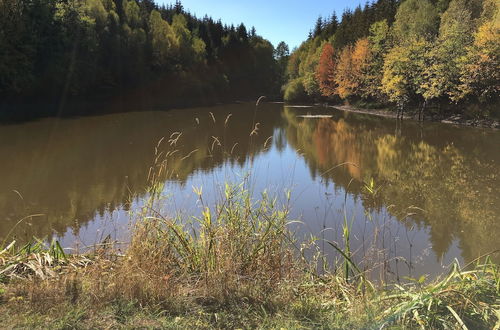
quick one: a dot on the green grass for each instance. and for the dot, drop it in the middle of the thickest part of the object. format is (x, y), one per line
(236, 266)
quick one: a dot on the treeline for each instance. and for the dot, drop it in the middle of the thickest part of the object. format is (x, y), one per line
(439, 53)
(54, 49)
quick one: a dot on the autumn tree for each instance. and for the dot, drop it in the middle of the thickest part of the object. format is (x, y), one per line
(351, 68)
(480, 74)
(403, 71)
(354, 25)
(326, 71)
(292, 67)
(415, 27)
(344, 75)
(361, 59)
(442, 75)
(405, 52)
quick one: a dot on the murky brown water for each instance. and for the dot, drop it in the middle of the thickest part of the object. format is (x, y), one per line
(83, 175)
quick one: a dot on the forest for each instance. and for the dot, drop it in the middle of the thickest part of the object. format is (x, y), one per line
(432, 55)
(438, 56)
(54, 51)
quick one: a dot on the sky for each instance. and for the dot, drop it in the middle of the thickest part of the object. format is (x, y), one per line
(275, 20)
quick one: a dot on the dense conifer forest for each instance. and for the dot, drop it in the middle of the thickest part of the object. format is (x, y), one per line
(52, 51)
(433, 55)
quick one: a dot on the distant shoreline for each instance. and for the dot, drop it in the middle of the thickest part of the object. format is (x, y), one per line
(455, 119)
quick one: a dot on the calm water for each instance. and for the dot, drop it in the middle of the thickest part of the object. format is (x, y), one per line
(438, 197)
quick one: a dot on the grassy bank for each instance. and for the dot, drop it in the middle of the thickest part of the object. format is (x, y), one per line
(236, 266)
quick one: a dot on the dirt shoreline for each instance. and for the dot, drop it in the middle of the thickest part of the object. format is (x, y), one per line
(454, 119)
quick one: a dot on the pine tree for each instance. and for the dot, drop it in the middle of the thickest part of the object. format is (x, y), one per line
(318, 28)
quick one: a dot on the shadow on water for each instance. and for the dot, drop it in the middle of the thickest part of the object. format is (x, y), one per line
(69, 169)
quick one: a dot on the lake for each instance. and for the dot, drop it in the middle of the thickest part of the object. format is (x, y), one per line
(435, 195)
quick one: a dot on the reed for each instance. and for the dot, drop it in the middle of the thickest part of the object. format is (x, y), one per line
(236, 265)
(463, 299)
(236, 248)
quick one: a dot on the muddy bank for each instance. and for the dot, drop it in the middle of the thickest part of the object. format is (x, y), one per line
(455, 119)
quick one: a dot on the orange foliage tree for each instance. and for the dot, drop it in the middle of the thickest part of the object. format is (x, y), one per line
(361, 58)
(325, 72)
(344, 78)
(351, 68)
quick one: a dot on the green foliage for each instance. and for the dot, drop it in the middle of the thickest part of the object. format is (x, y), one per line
(450, 302)
(78, 48)
(95, 11)
(294, 91)
(282, 55)
(16, 62)
(379, 33)
(378, 45)
(415, 19)
(162, 39)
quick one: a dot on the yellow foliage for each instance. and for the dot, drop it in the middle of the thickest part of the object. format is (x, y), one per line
(351, 67)
(481, 67)
(344, 77)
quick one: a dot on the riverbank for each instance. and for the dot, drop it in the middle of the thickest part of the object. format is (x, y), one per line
(100, 291)
(455, 119)
(243, 269)
(465, 299)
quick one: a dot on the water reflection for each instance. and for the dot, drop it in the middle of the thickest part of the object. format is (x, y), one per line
(451, 173)
(79, 171)
(70, 169)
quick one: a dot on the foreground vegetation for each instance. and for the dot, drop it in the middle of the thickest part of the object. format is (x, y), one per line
(236, 266)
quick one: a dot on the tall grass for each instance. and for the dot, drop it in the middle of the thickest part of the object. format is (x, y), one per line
(235, 265)
(239, 247)
(463, 299)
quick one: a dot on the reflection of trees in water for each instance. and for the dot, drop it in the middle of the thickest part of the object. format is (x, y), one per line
(331, 139)
(450, 173)
(70, 169)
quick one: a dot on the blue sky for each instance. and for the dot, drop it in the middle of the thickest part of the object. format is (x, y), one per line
(275, 20)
